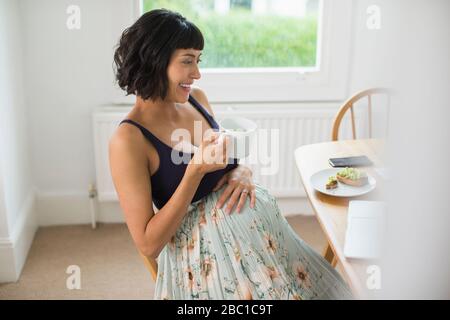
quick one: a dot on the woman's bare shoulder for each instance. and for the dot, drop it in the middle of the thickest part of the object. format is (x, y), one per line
(201, 97)
(127, 135)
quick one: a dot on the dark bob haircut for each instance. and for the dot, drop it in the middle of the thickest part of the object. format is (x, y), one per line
(144, 51)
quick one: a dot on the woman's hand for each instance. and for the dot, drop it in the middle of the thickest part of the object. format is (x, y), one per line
(240, 186)
(211, 155)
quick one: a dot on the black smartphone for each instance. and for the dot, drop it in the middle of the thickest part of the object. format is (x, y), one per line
(356, 161)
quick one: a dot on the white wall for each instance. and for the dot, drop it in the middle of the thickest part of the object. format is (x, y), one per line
(371, 56)
(410, 53)
(418, 219)
(69, 72)
(17, 220)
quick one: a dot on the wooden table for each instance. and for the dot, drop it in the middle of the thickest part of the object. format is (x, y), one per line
(331, 212)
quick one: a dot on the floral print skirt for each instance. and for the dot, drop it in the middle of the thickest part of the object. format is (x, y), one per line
(254, 254)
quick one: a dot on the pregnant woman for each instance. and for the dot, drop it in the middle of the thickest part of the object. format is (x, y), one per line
(204, 248)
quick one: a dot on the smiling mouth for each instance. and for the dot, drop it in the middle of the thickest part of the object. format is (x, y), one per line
(185, 87)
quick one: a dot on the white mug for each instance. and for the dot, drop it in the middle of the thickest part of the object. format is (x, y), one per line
(240, 132)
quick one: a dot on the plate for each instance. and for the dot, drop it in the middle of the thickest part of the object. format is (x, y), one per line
(320, 179)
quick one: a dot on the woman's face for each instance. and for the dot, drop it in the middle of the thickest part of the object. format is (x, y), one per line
(183, 69)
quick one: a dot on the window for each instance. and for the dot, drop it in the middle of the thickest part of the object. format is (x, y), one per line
(252, 33)
(270, 50)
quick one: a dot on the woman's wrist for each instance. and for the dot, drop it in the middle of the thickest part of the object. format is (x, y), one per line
(194, 170)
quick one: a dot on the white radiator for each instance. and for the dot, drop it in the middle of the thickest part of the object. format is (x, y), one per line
(297, 126)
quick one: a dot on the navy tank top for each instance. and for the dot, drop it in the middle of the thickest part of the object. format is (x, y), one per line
(169, 174)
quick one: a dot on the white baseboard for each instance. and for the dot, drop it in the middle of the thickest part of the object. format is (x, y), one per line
(69, 209)
(8, 272)
(14, 249)
(74, 208)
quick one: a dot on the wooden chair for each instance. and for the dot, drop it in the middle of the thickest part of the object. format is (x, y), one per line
(328, 252)
(349, 105)
(151, 265)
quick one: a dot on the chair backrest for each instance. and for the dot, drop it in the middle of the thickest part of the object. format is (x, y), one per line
(349, 105)
(151, 265)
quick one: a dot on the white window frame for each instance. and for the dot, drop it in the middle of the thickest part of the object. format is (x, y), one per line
(328, 81)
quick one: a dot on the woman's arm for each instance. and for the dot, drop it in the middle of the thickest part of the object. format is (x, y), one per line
(164, 225)
(129, 169)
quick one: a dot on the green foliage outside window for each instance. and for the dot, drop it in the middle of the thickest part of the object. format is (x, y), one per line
(240, 39)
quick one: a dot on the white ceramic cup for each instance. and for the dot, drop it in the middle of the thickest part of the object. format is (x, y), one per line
(241, 132)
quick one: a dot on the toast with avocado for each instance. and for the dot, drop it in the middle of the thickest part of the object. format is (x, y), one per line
(331, 183)
(352, 177)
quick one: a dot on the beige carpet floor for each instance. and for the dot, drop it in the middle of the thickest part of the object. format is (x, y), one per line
(110, 266)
